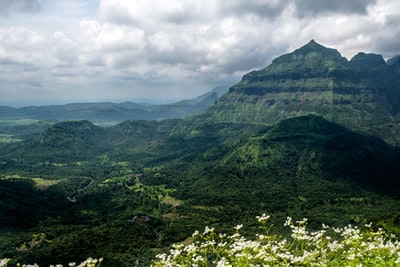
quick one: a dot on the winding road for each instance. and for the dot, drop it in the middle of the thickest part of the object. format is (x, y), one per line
(71, 197)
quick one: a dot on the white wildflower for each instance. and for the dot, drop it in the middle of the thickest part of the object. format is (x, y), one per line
(223, 263)
(208, 230)
(175, 252)
(302, 222)
(238, 227)
(221, 235)
(4, 262)
(398, 258)
(351, 257)
(262, 218)
(235, 236)
(288, 221)
(196, 233)
(324, 226)
(198, 258)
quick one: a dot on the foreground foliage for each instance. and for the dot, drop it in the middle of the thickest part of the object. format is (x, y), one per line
(330, 246)
(87, 263)
(347, 246)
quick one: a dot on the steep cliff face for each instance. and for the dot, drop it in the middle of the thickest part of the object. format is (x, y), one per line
(362, 94)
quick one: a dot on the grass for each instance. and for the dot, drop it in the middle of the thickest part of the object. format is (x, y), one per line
(172, 201)
(8, 138)
(9, 122)
(40, 183)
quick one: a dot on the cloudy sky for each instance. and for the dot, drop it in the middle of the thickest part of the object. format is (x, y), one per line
(60, 51)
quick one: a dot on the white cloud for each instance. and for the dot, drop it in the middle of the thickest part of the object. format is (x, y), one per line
(313, 7)
(65, 49)
(8, 7)
(22, 45)
(177, 48)
(112, 45)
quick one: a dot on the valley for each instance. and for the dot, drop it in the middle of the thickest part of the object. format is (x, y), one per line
(310, 136)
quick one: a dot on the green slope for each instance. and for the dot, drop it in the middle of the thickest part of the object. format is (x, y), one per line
(304, 165)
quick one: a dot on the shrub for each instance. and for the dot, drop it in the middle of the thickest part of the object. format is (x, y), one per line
(347, 246)
(330, 246)
(87, 263)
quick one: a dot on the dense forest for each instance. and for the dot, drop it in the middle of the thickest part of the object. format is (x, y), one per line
(129, 191)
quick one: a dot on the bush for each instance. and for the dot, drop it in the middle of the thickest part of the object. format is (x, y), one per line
(87, 263)
(347, 246)
(330, 246)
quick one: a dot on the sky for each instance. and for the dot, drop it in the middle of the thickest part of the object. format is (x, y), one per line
(64, 51)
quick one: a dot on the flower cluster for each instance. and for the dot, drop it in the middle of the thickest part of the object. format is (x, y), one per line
(347, 246)
(87, 263)
(4, 262)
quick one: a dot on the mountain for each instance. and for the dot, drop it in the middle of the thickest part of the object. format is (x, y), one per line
(362, 94)
(116, 112)
(305, 156)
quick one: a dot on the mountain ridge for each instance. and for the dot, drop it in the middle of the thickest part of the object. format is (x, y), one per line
(362, 94)
(116, 112)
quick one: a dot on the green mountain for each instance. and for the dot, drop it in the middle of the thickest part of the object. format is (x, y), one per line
(303, 156)
(362, 94)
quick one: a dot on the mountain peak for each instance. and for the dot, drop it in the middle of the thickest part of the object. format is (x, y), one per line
(363, 94)
(313, 45)
(367, 59)
(311, 51)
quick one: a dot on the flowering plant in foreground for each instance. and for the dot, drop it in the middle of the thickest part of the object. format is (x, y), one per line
(87, 263)
(347, 246)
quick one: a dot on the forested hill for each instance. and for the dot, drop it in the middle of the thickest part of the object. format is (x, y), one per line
(362, 94)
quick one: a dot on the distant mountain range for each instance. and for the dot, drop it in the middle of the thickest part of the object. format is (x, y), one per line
(117, 112)
(362, 94)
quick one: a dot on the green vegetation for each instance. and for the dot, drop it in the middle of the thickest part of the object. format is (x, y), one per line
(12, 122)
(127, 192)
(329, 246)
(347, 246)
(309, 148)
(40, 183)
(87, 263)
(8, 138)
(362, 94)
